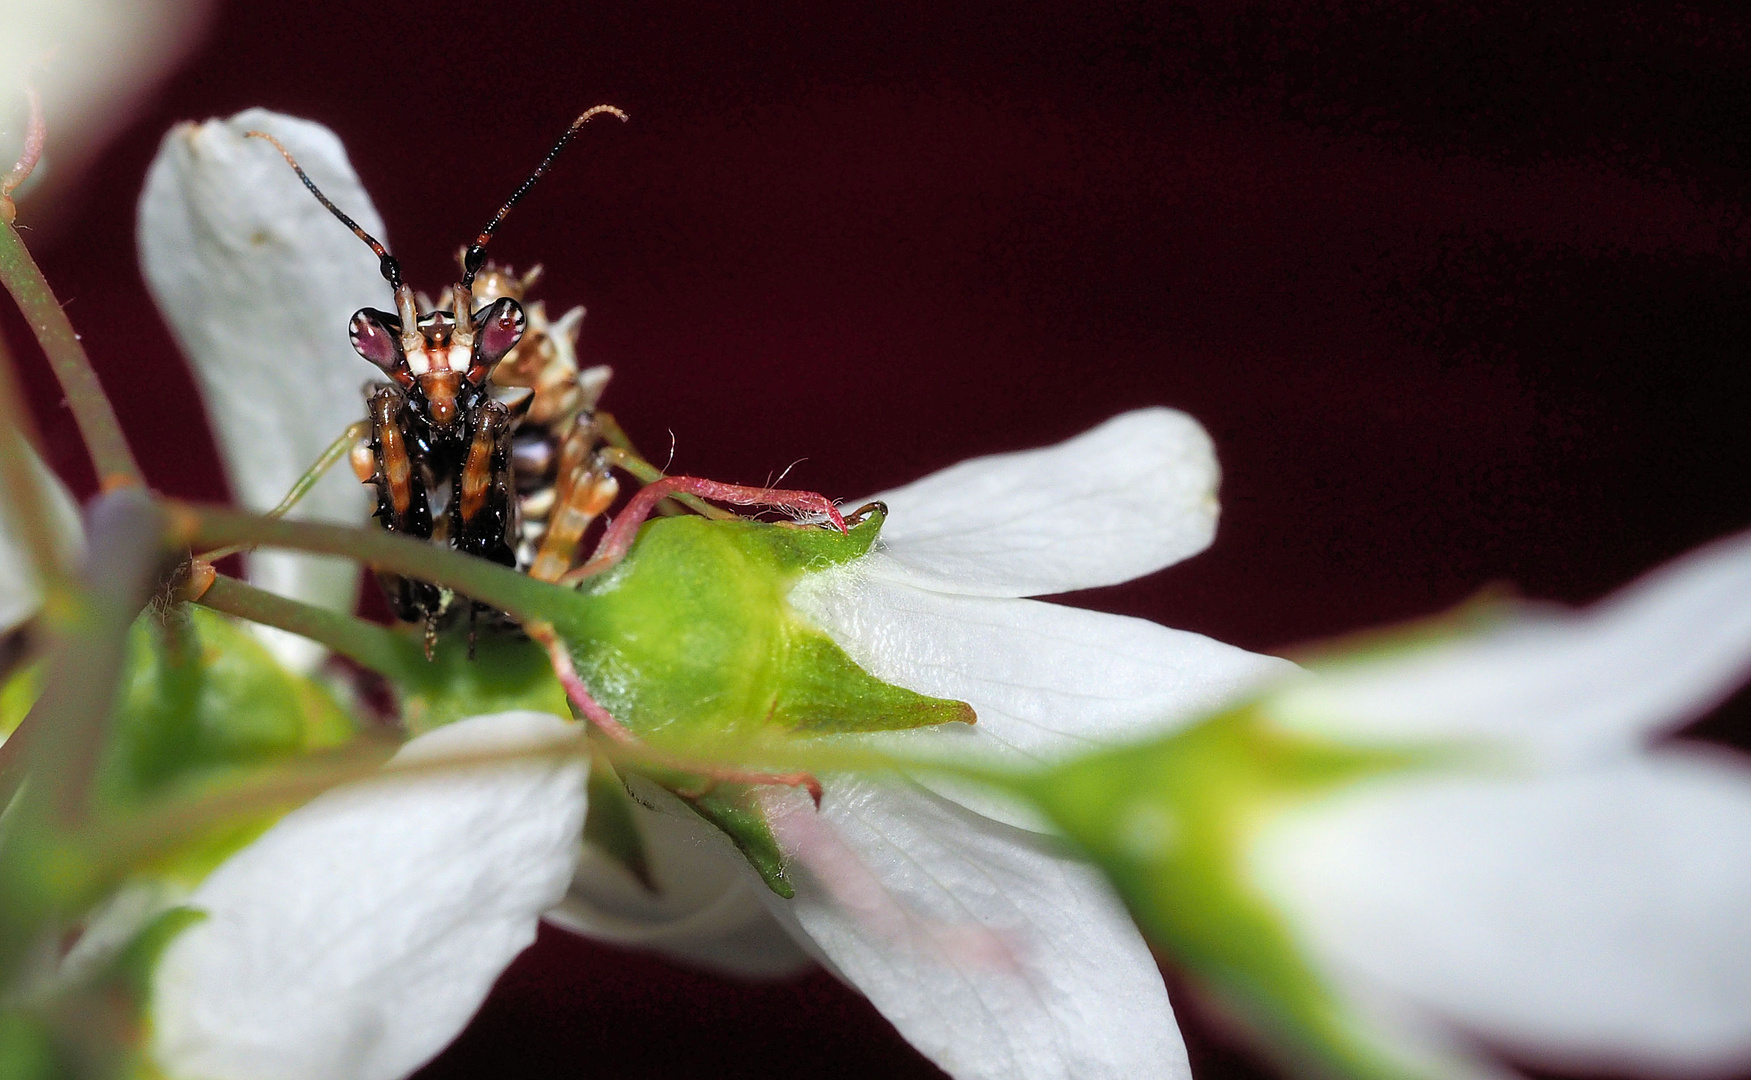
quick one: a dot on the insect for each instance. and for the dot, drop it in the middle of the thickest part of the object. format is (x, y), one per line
(514, 481)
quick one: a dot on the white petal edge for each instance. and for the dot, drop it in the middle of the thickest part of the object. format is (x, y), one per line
(1124, 499)
(1591, 921)
(356, 937)
(1046, 681)
(707, 913)
(1085, 1001)
(257, 282)
(20, 589)
(1557, 686)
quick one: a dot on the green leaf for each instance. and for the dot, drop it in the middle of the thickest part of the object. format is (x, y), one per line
(202, 699)
(1172, 822)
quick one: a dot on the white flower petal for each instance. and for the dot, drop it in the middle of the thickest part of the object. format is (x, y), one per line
(92, 61)
(1119, 501)
(1084, 999)
(1559, 686)
(708, 912)
(20, 591)
(1593, 921)
(1046, 681)
(356, 937)
(257, 281)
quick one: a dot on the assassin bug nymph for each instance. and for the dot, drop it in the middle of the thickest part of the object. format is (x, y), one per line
(439, 451)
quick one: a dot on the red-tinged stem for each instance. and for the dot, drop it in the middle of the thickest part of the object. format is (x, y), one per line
(91, 407)
(618, 539)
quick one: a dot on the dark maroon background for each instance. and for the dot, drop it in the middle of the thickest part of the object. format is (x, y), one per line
(1462, 295)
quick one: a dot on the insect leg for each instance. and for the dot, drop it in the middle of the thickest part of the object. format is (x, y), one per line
(402, 505)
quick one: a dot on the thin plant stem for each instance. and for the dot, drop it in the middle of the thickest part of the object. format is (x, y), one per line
(522, 596)
(630, 462)
(92, 410)
(376, 647)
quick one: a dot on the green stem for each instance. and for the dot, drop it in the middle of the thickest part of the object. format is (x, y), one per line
(378, 648)
(523, 597)
(92, 410)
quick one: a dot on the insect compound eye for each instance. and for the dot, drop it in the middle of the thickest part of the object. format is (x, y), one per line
(497, 329)
(376, 337)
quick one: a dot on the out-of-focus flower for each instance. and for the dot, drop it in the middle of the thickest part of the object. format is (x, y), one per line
(1464, 840)
(258, 281)
(357, 936)
(89, 60)
(934, 608)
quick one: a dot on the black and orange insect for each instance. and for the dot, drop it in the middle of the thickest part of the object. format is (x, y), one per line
(515, 481)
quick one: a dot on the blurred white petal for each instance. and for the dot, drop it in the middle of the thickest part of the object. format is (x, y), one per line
(356, 937)
(1046, 681)
(1119, 501)
(90, 60)
(1592, 921)
(257, 282)
(20, 589)
(1557, 686)
(1083, 998)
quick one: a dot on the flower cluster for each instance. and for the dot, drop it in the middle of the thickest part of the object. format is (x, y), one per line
(1457, 841)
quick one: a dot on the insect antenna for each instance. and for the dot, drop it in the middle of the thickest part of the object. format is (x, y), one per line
(476, 254)
(391, 269)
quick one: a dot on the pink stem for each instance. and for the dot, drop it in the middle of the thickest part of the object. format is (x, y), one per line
(618, 539)
(35, 136)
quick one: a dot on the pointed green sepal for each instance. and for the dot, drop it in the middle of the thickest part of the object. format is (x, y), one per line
(692, 637)
(692, 643)
(1172, 821)
(731, 808)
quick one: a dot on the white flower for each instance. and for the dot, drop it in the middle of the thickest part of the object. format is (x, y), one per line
(934, 609)
(356, 937)
(1575, 890)
(257, 282)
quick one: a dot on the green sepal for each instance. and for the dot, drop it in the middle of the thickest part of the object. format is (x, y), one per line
(1172, 821)
(731, 808)
(609, 823)
(691, 642)
(692, 638)
(508, 672)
